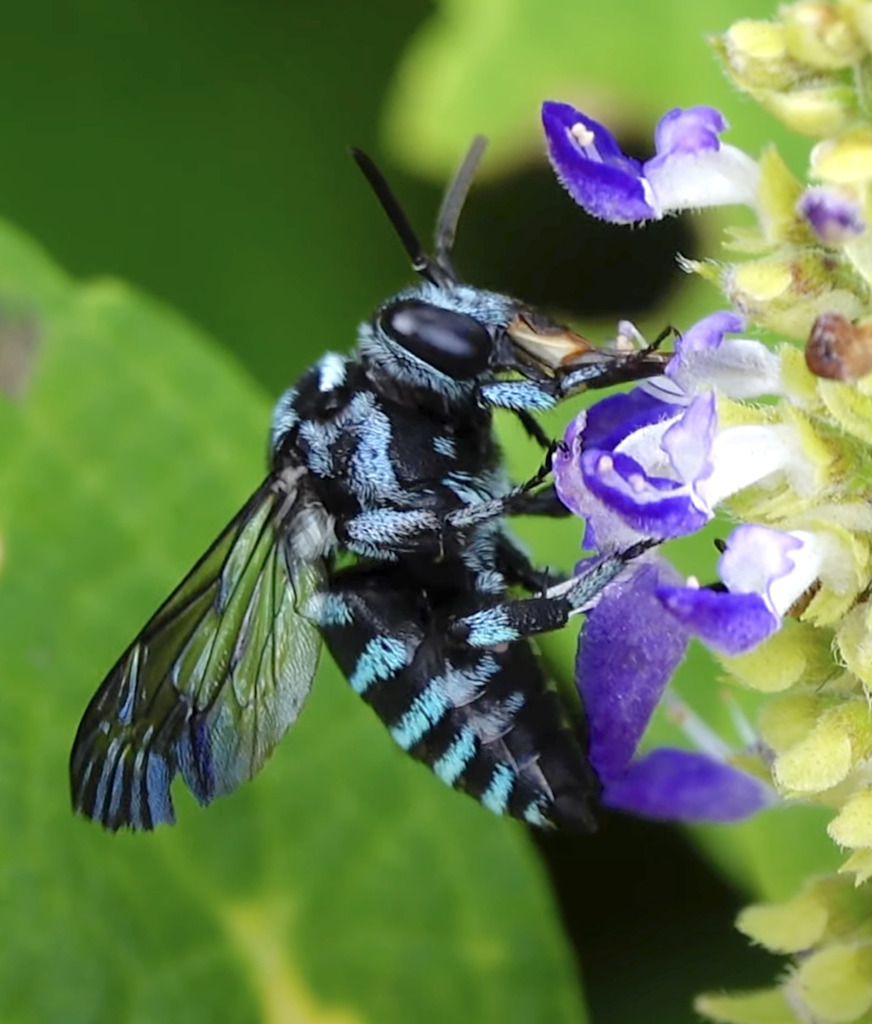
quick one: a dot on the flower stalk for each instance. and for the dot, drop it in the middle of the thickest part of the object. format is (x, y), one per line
(778, 437)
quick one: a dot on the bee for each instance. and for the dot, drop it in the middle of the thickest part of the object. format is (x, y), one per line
(380, 530)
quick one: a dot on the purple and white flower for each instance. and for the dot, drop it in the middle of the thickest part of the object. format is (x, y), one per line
(629, 649)
(691, 167)
(764, 572)
(706, 358)
(654, 463)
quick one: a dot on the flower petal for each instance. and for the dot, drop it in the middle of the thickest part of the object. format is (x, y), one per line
(833, 216)
(652, 506)
(689, 131)
(709, 332)
(612, 419)
(627, 653)
(591, 167)
(688, 442)
(780, 566)
(738, 368)
(756, 557)
(729, 623)
(685, 785)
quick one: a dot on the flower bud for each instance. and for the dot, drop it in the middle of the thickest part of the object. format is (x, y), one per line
(834, 984)
(816, 110)
(755, 54)
(845, 160)
(852, 826)
(799, 652)
(839, 741)
(853, 642)
(787, 294)
(826, 909)
(816, 34)
(859, 13)
(766, 1006)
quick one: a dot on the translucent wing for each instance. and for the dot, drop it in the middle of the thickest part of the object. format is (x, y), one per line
(218, 674)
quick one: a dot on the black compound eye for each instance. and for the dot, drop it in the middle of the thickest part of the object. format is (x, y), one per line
(453, 343)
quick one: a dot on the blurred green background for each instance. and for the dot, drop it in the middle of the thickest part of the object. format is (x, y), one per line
(198, 151)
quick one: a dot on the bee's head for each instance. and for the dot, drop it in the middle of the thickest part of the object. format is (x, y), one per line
(446, 336)
(441, 339)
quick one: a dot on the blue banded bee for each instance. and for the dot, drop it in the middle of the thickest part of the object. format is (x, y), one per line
(387, 458)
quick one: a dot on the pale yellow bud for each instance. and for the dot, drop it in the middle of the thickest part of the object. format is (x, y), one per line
(852, 826)
(859, 12)
(818, 35)
(834, 984)
(755, 53)
(767, 1006)
(797, 652)
(787, 293)
(846, 160)
(815, 110)
(824, 757)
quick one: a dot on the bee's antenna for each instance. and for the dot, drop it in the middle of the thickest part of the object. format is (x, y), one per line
(452, 205)
(423, 264)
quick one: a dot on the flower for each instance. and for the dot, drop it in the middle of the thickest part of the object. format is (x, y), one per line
(691, 167)
(654, 463)
(659, 462)
(629, 649)
(764, 572)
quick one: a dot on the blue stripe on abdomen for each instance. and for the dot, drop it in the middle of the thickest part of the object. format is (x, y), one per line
(382, 657)
(450, 765)
(425, 711)
(496, 796)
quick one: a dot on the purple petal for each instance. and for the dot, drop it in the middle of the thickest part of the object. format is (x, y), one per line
(598, 176)
(833, 217)
(605, 530)
(757, 556)
(684, 785)
(651, 506)
(709, 332)
(688, 442)
(613, 419)
(566, 465)
(627, 653)
(729, 623)
(688, 131)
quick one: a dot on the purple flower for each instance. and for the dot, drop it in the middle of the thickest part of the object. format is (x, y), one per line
(764, 572)
(834, 217)
(629, 649)
(738, 367)
(691, 167)
(654, 463)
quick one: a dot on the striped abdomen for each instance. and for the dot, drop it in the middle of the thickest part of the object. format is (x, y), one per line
(484, 721)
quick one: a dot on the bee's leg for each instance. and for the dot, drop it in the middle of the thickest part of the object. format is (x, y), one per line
(541, 503)
(508, 621)
(516, 567)
(533, 428)
(380, 532)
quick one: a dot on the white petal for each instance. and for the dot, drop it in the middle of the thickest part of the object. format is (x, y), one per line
(738, 368)
(743, 456)
(688, 181)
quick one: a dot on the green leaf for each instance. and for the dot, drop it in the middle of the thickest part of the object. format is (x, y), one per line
(345, 883)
